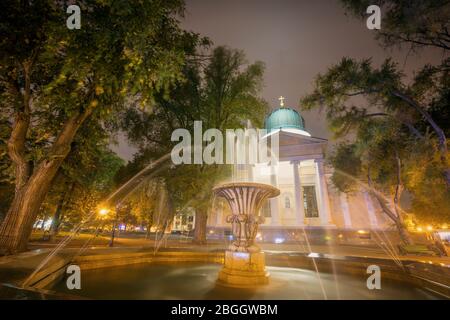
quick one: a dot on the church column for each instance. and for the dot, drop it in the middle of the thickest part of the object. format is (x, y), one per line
(299, 206)
(274, 212)
(370, 210)
(345, 210)
(250, 169)
(323, 191)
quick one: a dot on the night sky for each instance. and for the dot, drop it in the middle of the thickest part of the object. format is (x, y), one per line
(296, 40)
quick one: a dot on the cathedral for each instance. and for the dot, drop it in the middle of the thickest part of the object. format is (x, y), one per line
(308, 200)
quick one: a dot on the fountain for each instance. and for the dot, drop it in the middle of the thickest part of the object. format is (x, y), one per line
(130, 273)
(244, 264)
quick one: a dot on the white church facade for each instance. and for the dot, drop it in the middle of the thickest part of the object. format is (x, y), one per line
(308, 199)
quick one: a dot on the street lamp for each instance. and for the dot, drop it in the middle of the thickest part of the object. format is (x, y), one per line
(113, 232)
(103, 211)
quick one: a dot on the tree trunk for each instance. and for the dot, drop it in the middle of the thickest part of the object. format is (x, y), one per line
(398, 221)
(396, 218)
(17, 226)
(43, 222)
(149, 226)
(18, 223)
(58, 216)
(17, 139)
(403, 232)
(201, 219)
(16, 149)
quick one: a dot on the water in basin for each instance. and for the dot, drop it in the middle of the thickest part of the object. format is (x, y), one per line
(198, 281)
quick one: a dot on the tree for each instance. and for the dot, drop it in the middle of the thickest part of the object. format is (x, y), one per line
(151, 205)
(412, 152)
(52, 75)
(382, 88)
(222, 94)
(416, 23)
(388, 102)
(374, 160)
(86, 177)
(6, 171)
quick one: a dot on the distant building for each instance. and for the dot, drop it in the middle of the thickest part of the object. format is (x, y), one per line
(184, 222)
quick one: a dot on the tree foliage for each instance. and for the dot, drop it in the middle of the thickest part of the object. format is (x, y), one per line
(222, 94)
(416, 23)
(53, 79)
(396, 130)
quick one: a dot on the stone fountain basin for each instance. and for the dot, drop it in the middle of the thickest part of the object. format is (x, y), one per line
(125, 274)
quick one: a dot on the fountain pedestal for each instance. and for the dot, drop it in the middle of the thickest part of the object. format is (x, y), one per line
(242, 269)
(244, 263)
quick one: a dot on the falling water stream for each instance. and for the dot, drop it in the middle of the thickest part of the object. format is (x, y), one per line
(115, 197)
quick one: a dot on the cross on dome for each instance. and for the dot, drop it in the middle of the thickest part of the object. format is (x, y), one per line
(281, 98)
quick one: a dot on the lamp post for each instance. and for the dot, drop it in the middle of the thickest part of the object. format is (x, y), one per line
(104, 212)
(113, 232)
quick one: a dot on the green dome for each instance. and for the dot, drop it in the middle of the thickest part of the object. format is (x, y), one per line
(284, 118)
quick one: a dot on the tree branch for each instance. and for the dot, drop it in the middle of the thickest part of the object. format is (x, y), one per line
(17, 139)
(409, 125)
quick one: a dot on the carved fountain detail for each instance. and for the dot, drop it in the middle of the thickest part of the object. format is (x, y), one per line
(244, 262)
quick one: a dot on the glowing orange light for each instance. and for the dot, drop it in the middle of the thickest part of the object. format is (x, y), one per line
(103, 211)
